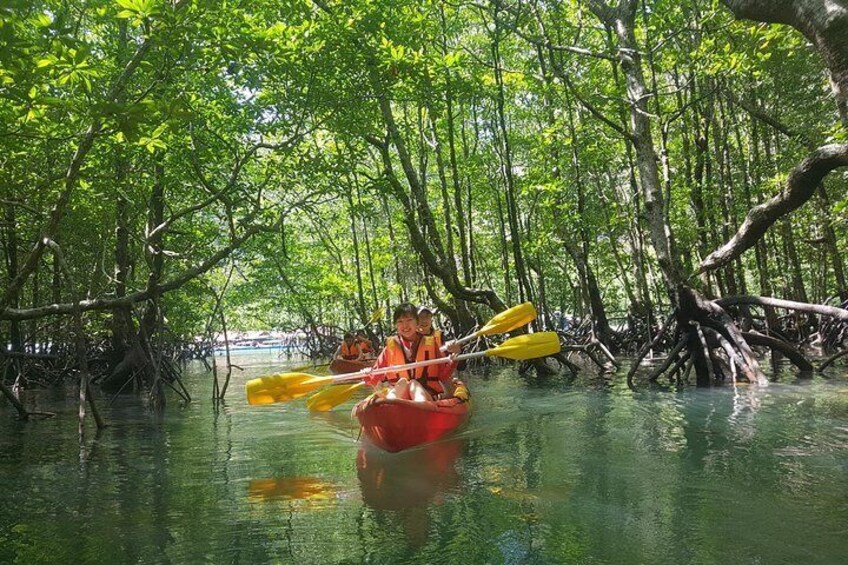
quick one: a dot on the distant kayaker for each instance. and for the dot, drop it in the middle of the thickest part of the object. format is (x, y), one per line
(365, 347)
(409, 346)
(349, 349)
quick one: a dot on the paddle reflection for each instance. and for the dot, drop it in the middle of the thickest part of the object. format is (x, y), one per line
(291, 488)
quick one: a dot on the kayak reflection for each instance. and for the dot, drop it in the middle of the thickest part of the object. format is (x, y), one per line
(408, 483)
(408, 479)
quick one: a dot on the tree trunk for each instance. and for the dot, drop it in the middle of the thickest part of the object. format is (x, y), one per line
(360, 292)
(122, 324)
(646, 157)
(417, 213)
(11, 252)
(524, 288)
(367, 238)
(455, 177)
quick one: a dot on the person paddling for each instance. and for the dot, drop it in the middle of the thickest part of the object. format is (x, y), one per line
(409, 346)
(349, 349)
(365, 347)
(426, 328)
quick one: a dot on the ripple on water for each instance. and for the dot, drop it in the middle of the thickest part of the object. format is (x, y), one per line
(545, 472)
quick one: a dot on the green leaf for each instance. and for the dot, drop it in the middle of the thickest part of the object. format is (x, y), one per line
(128, 4)
(159, 130)
(43, 20)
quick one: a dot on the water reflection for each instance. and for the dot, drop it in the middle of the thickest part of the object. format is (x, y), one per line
(407, 479)
(290, 488)
(409, 482)
(546, 473)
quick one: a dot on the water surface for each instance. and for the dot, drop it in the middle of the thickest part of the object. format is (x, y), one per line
(583, 472)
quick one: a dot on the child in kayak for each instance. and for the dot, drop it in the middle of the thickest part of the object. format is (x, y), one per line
(409, 346)
(349, 349)
(425, 325)
(364, 345)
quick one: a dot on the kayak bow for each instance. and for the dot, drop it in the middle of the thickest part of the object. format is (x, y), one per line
(395, 424)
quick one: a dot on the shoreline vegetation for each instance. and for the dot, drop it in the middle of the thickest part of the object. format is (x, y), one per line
(670, 176)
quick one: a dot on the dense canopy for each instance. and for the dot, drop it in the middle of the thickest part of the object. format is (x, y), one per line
(281, 164)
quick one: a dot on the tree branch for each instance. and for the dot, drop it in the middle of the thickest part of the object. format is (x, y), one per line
(786, 349)
(800, 186)
(838, 313)
(100, 304)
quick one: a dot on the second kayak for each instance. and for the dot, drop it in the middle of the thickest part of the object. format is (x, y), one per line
(342, 366)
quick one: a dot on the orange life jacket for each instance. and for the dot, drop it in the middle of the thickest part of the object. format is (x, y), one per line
(437, 335)
(365, 346)
(350, 351)
(427, 349)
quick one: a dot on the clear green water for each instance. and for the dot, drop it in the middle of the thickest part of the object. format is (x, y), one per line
(560, 473)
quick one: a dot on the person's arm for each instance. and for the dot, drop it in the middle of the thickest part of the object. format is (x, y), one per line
(382, 361)
(445, 375)
(452, 346)
(338, 353)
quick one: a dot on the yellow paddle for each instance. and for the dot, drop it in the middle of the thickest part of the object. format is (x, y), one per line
(288, 386)
(506, 321)
(376, 316)
(329, 397)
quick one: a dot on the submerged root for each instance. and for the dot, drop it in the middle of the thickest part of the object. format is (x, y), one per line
(708, 340)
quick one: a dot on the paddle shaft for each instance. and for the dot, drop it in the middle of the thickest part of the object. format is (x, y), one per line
(463, 340)
(353, 377)
(466, 339)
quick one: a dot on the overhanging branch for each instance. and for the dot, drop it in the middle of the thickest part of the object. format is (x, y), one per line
(800, 186)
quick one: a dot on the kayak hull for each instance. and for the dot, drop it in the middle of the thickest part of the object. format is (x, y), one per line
(341, 366)
(395, 425)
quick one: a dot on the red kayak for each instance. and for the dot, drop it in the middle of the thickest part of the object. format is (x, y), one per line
(342, 366)
(395, 425)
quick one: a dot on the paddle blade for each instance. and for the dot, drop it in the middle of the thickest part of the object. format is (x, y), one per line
(327, 399)
(508, 320)
(528, 346)
(376, 316)
(282, 387)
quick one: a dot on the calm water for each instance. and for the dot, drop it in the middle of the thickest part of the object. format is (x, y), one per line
(586, 472)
